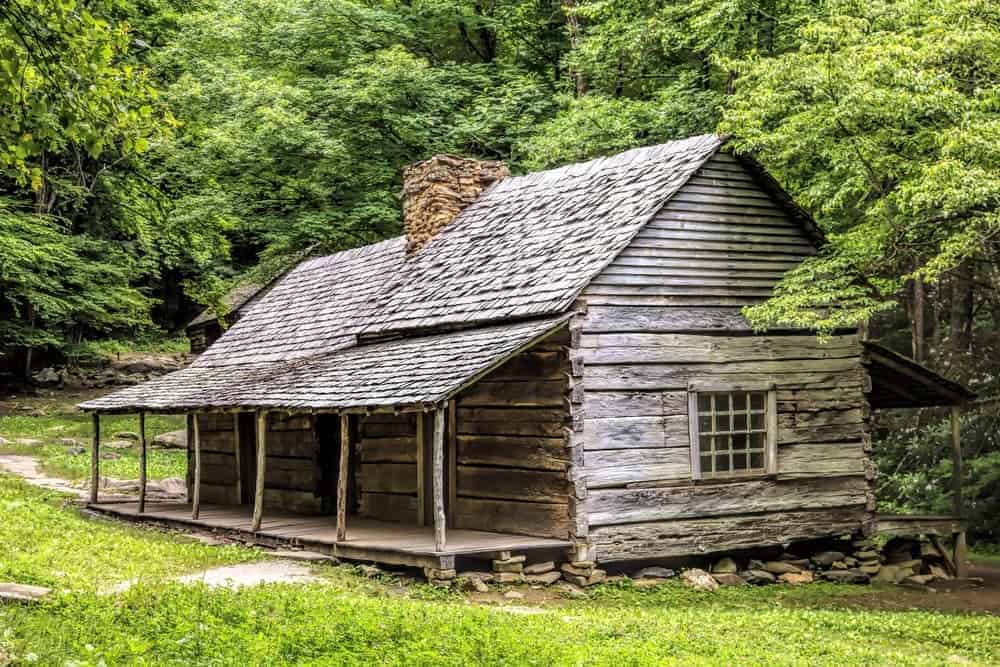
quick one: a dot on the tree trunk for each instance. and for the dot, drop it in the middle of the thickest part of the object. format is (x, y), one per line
(918, 319)
(573, 22)
(960, 328)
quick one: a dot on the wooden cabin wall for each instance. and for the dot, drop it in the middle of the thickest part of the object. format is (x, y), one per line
(387, 467)
(218, 459)
(667, 312)
(290, 470)
(512, 457)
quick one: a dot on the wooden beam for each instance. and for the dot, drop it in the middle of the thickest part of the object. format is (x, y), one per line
(437, 481)
(95, 458)
(142, 462)
(342, 477)
(258, 498)
(452, 462)
(960, 556)
(196, 491)
(421, 468)
(236, 456)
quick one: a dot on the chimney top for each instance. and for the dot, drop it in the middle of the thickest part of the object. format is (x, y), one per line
(435, 191)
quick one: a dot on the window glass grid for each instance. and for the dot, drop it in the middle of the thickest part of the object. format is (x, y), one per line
(732, 432)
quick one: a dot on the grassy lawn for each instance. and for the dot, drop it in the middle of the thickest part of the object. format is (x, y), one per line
(352, 620)
(49, 421)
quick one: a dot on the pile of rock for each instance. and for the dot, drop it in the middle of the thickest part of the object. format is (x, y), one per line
(131, 370)
(857, 561)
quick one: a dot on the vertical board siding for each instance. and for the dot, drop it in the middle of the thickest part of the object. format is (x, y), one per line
(511, 437)
(665, 313)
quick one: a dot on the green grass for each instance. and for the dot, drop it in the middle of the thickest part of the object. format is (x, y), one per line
(45, 542)
(110, 348)
(62, 420)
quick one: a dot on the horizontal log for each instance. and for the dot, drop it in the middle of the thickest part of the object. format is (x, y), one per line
(388, 478)
(403, 426)
(545, 393)
(718, 280)
(762, 247)
(750, 235)
(291, 443)
(812, 400)
(292, 501)
(603, 404)
(218, 473)
(666, 539)
(617, 467)
(540, 486)
(738, 216)
(297, 474)
(676, 263)
(513, 452)
(821, 459)
(826, 373)
(388, 507)
(511, 421)
(505, 516)
(388, 450)
(282, 422)
(777, 226)
(645, 319)
(598, 289)
(723, 190)
(680, 348)
(531, 365)
(223, 493)
(680, 301)
(620, 506)
(635, 432)
(214, 422)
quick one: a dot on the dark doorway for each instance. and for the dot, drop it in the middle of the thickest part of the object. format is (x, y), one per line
(328, 462)
(248, 457)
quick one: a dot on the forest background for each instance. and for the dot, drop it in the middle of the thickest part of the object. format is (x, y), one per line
(153, 153)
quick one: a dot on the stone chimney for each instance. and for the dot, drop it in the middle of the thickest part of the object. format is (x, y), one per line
(436, 190)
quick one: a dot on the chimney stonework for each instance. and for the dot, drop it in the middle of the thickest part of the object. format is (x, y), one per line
(436, 190)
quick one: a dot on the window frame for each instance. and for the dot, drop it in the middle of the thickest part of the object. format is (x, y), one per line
(770, 425)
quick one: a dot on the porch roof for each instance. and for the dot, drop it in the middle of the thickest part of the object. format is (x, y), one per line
(408, 372)
(901, 382)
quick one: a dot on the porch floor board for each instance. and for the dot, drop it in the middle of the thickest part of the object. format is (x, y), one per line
(367, 539)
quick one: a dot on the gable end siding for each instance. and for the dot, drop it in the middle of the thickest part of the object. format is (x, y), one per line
(666, 312)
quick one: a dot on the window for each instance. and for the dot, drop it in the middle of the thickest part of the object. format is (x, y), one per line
(733, 431)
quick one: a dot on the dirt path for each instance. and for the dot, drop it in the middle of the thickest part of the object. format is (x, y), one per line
(29, 469)
(940, 596)
(238, 576)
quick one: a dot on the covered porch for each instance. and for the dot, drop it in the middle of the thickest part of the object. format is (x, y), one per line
(410, 452)
(363, 540)
(898, 382)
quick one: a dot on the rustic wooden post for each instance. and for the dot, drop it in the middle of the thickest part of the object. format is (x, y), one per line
(437, 481)
(142, 462)
(95, 458)
(258, 498)
(452, 462)
(421, 471)
(196, 492)
(345, 453)
(960, 547)
(236, 456)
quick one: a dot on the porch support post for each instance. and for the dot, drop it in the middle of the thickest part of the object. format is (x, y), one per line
(236, 457)
(960, 556)
(196, 491)
(258, 497)
(421, 471)
(345, 453)
(95, 458)
(142, 462)
(437, 472)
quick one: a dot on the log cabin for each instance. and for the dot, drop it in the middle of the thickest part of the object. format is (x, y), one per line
(554, 362)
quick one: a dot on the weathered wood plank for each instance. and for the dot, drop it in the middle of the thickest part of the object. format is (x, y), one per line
(635, 432)
(513, 452)
(388, 478)
(541, 486)
(820, 459)
(667, 539)
(689, 301)
(652, 319)
(690, 349)
(645, 280)
(619, 506)
(598, 289)
(670, 234)
(543, 393)
(389, 507)
(258, 503)
(766, 247)
(617, 467)
(603, 404)
(388, 450)
(516, 421)
(505, 516)
(437, 485)
(825, 373)
(291, 443)
(196, 491)
(402, 426)
(295, 474)
(343, 473)
(531, 365)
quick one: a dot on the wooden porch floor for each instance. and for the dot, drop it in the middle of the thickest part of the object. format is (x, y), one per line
(367, 539)
(918, 524)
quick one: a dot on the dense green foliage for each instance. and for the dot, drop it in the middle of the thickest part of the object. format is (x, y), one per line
(348, 619)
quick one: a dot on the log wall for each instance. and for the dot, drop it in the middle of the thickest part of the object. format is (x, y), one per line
(666, 313)
(386, 467)
(512, 446)
(218, 459)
